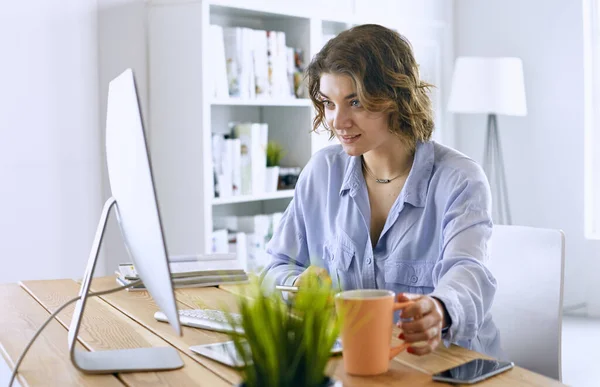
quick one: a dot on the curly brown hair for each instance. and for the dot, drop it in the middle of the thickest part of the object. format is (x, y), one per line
(385, 73)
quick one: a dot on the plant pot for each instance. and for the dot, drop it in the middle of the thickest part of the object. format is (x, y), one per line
(271, 179)
(328, 382)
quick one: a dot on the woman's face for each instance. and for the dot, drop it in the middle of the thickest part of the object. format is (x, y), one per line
(358, 130)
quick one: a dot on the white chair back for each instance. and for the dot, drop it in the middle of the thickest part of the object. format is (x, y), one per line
(528, 264)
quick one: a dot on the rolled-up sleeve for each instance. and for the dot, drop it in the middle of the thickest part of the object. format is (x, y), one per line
(288, 247)
(461, 280)
(288, 250)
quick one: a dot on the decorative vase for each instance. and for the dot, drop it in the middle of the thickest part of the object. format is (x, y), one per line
(272, 179)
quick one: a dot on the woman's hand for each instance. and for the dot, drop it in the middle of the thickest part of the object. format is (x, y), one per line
(425, 329)
(311, 277)
(313, 271)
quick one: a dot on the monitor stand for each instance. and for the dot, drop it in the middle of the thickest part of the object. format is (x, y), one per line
(113, 361)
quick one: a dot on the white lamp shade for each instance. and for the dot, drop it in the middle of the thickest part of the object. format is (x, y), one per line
(488, 85)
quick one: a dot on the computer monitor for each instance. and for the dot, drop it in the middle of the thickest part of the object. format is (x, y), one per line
(134, 201)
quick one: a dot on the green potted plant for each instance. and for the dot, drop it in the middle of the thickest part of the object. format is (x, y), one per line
(286, 343)
(275, 153)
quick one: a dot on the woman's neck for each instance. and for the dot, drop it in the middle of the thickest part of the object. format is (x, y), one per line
(389, 161)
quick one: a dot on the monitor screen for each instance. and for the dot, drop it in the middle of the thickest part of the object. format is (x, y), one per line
(132, 185)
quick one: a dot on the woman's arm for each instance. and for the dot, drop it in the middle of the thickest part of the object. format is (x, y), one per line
(461, 280)
(287, 248)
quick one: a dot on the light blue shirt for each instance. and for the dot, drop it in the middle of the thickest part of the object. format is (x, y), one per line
(434, 240)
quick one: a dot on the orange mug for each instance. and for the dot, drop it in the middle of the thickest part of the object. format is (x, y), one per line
(367, 319)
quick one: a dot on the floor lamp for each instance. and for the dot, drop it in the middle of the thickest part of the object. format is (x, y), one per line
(492, 86)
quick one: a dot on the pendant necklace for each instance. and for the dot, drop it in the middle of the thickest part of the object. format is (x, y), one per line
(381, 181)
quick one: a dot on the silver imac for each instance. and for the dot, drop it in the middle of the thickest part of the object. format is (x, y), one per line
(134, 201)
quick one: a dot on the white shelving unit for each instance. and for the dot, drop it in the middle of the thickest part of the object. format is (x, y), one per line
(282, 194)
(183, 114)
(299, 102)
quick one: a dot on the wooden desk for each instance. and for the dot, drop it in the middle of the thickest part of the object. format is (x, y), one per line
(125, 320)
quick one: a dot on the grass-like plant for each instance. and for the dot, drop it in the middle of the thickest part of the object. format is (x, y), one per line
(286, 343)
(275, 153)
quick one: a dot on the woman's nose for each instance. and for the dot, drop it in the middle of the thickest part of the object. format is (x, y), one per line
(341, 119)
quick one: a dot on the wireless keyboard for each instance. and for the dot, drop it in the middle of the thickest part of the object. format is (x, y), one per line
(214, 320)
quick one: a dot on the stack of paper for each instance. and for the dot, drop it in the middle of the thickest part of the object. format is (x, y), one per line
(198, 271)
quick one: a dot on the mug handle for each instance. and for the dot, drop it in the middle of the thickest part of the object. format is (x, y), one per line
(399, 348)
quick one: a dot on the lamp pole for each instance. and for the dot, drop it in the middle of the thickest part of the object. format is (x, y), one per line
(494, 169)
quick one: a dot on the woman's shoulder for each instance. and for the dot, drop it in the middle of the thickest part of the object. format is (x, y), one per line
(331, 154)
(459, 183)
(326, 162)
(326, 168)
(450, 164)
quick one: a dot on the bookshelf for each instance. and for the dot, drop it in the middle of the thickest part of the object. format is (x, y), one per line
(300, 102)
(183, 112)
(281, 194)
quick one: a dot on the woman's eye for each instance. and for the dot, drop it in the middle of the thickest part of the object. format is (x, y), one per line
(327, 103)
(355, 103)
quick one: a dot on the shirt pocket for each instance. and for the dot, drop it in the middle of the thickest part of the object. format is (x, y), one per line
(339, 254)
(410, 277)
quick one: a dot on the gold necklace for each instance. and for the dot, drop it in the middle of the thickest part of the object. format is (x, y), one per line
(381, 181)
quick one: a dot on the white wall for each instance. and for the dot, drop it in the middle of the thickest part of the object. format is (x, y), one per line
(543, 152)
(121, 44)
(49, 155)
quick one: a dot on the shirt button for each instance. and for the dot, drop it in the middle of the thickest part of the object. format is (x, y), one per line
(414, 279)
(369, 260)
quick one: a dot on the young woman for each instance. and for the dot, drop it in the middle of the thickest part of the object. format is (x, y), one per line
(390, 209)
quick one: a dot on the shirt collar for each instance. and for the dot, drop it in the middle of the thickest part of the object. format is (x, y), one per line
(353, 176)
(417, 183)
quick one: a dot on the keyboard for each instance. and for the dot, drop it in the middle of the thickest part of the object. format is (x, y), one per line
(213, 320)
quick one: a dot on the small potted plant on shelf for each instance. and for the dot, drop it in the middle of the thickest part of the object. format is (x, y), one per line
(275, 153)
(286, 343)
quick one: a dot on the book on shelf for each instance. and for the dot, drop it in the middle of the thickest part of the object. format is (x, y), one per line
(238, 44)
(220, 241)
(247, 237)
(256, 63)
(240, 160)
(217, 63)
(209, 270)
(234, 243)
(253, 159)
(227, 153)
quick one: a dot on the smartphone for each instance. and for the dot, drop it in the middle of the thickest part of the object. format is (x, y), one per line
(473, 371)
(226, 353)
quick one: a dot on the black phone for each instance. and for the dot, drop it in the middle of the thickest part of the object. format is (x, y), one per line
(473, 371)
